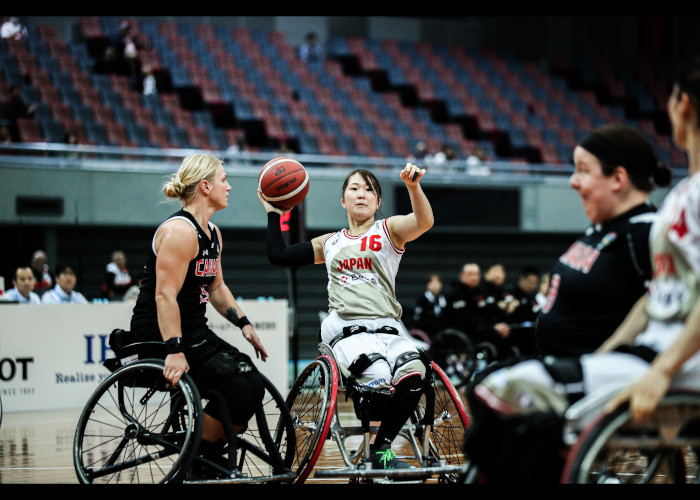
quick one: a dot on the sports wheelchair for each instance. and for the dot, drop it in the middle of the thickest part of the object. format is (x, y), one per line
(608, 448)
(434, 435)
(138, 428)
(461, 358)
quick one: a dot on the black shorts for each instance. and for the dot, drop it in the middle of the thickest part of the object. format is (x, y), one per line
(216, 364)
(212, 359)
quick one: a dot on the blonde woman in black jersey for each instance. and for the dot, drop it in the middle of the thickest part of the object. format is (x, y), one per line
(182, 275)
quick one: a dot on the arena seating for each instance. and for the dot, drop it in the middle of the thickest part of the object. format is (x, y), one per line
(368, 97)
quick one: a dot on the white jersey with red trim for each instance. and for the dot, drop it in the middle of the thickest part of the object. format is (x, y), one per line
(362, 273)
(675, 245)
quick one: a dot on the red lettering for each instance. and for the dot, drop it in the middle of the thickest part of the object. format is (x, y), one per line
(205, 268)
(663, 264)
(552, 292)
(680, 227)
(355, 263)
(284, 221)
(375, 243)
(580, 257)
(204, 295)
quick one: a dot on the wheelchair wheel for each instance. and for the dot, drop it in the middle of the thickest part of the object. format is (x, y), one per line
(268, 444)
(136, 428)
(449, 423)
(454, 352)
(662, 450)
(312, 403)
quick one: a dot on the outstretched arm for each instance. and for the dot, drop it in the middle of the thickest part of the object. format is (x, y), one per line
(405, 228)
(278, 253)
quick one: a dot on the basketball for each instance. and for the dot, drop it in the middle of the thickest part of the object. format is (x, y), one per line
(283, 182)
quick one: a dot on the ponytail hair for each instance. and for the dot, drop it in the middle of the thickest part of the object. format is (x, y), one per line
(194, 169)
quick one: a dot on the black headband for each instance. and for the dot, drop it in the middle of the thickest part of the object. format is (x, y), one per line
(615, 154)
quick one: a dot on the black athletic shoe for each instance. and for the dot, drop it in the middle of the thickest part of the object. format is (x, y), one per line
(384, 457)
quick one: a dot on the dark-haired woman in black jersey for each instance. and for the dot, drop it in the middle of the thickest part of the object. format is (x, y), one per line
(592, 287)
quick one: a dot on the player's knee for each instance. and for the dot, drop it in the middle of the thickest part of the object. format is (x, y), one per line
(408, 366)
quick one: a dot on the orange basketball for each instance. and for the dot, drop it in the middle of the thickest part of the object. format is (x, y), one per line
(283, 182)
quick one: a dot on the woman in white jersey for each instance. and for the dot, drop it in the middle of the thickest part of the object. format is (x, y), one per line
(363, 323)
(658, 343)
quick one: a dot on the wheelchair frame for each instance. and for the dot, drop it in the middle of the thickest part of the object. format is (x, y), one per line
(609, 448)
(435, 432)
(137, 428)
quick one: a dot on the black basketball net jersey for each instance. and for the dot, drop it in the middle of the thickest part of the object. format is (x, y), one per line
(194, 294)
(595, 283)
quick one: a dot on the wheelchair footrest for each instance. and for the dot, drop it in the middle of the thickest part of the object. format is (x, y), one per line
(417, 472)
(276, 478)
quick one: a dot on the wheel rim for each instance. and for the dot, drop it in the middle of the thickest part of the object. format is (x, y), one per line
(128, 434)
(613, 450)
(311, 405)
(450, 423)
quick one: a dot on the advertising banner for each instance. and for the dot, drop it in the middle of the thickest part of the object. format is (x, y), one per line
(51, 355)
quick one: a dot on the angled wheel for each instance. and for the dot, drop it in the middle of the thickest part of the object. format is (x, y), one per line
(449, 422)
(662, 450)
(312, 403)
(136, 428)
(268, 444)
(455, 353)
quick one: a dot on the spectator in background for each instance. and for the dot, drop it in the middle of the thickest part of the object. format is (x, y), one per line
(240, 146)
(429, 305)
(23, 291)
(541, 296)
(476, 162)
(149, 81)
(43, 277)
(283, 148)
(521, 313)
(420, 155)
(310, 50)
(117, 278)
(110, 63)
(71, 139)
(477, 157)
(5, 134)
(15, 108)
(523, 308)
(133, 292)
(64, 291)
(446, 154)
(464, 312)
(496, 297)
(13, 29)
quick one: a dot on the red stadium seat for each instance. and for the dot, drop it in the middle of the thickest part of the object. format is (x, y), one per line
(29, 130)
